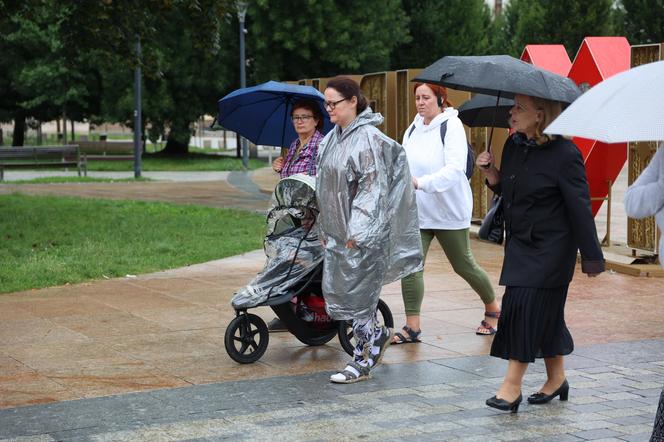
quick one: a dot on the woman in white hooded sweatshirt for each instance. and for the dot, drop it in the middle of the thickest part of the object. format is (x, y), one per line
(645, 197)
(444, 205)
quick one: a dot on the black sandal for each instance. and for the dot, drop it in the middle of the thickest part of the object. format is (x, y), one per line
(490, 330)
(413, 336)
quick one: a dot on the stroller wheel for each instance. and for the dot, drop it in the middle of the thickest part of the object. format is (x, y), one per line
(246, 338)
(346, 331)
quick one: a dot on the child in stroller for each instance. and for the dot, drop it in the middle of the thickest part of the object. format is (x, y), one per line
(290, 282)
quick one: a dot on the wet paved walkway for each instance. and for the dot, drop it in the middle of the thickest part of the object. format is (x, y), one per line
(143, 359)
(615, 388)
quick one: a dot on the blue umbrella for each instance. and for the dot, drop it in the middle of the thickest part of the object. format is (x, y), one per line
(261, 113)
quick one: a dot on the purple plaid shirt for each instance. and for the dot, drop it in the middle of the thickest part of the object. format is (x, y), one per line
(305, 161)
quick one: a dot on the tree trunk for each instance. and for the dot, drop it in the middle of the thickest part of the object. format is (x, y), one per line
(177, 142)
(64, 126)
(174, 147)
(18, 137)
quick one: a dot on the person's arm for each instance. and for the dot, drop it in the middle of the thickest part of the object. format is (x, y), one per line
(576, 195)
(367, 212)
(485, 163)
(645, 197)
(455, 152)
(278, 164)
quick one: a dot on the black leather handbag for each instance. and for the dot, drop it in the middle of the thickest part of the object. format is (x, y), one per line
(492, 228)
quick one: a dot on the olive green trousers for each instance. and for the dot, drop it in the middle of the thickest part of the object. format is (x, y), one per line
(456, 245)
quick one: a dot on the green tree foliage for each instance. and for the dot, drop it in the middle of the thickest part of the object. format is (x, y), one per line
(565, 22)
(191, 79)
(77, 59)
(439, 28)
(185, 62)
(186, 68)
(311, 38)
(499, 35)
(46, 75)
(642, 21)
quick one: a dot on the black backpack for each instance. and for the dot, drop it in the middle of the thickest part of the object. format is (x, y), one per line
(470, 156)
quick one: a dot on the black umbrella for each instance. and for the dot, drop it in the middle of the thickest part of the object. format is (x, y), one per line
(481, 111)
(500, 75)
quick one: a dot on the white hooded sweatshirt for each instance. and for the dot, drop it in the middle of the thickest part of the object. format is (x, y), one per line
(645, 197)
(444, 198)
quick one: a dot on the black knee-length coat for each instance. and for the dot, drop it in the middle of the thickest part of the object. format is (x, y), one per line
(547, 214)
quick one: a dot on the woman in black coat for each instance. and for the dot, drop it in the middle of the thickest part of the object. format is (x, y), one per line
(548, 218)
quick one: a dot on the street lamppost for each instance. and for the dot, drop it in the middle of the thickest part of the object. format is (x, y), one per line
(138, 124)
(241, 14)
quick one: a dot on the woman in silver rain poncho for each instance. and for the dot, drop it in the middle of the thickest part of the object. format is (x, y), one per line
(368, 221)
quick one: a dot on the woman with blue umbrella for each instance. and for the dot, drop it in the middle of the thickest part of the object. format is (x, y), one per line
(301, 155)
(273, 114)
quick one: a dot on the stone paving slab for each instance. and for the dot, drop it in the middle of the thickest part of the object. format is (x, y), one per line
(398, 403)
(165, 330)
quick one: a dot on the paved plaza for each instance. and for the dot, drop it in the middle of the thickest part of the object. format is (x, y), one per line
(142, 358)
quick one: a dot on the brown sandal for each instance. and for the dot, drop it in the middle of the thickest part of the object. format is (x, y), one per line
(489, 330)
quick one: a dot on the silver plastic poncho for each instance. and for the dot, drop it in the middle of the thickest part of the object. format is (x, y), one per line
(365, 193)
(293, 251)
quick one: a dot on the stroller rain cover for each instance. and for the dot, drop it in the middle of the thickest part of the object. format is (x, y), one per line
(291, 244)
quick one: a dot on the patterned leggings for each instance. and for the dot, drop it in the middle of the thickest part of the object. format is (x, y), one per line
(658, 429)
(365, 333)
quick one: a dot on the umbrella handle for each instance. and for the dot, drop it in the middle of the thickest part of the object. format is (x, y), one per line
(493, 124)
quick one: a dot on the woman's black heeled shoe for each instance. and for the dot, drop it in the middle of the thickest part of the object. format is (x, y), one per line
(502, 404)
(541, 398)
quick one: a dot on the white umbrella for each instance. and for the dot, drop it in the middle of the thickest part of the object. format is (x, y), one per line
(626, 107)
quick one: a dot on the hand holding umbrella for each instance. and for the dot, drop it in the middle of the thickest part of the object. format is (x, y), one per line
(485, 162)
(486, 111)
(278, 164)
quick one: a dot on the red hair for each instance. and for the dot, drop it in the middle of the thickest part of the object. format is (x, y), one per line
(439, 91)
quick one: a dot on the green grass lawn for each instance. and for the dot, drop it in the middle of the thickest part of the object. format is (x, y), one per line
(47, 241)
(190, 162)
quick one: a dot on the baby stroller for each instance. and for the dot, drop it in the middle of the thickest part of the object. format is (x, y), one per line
(290, 282)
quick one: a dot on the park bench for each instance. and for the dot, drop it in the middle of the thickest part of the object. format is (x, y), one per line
(31, 157)
(107, 150)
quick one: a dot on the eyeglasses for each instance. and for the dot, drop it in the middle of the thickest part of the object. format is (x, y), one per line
(302, 118)
(332, 104)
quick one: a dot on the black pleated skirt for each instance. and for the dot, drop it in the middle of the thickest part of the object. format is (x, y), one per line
(532, 324)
